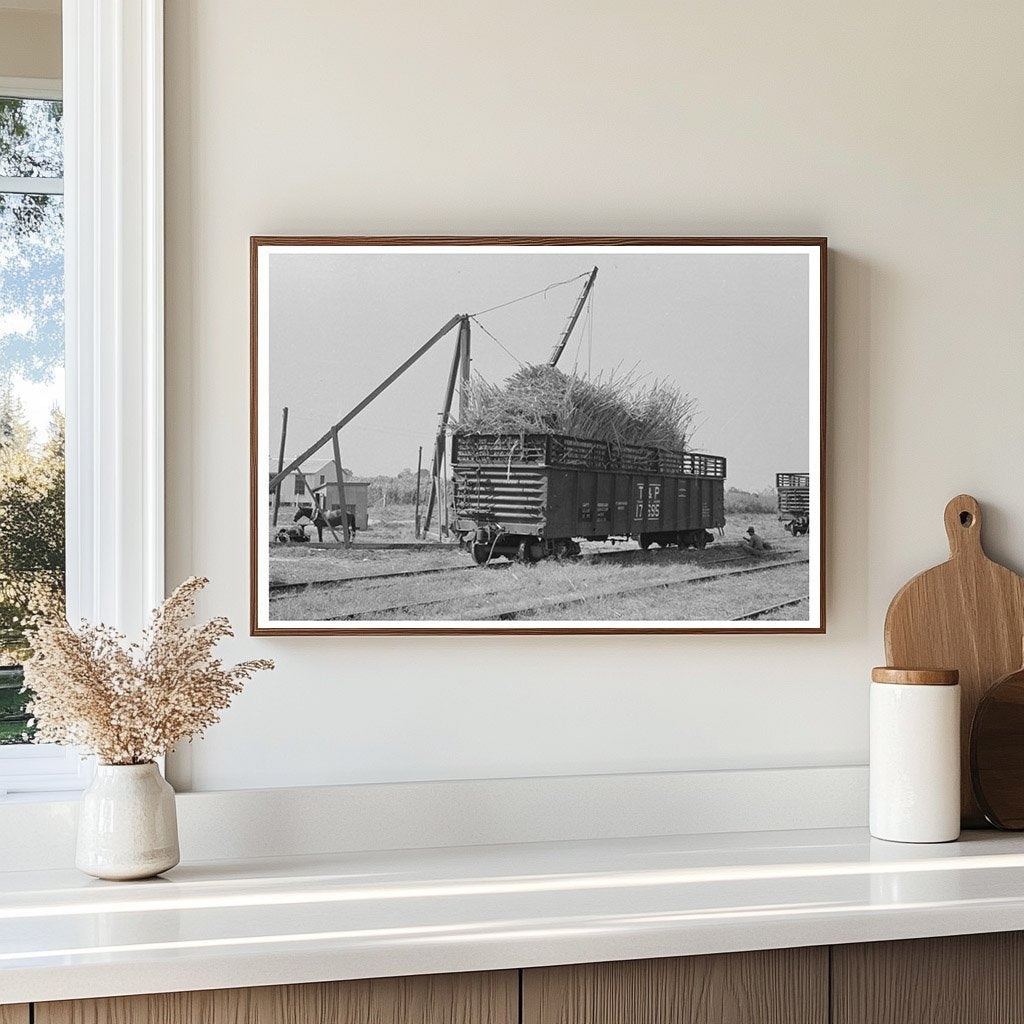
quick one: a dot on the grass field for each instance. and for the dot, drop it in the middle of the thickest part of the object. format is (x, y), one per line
(12, 732)
(587, 589)
(716, 599)
(297, 564)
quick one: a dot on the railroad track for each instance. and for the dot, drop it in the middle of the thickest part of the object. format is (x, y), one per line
(771, 608)
(358, 545)
(280, 590)
(662, 556)
(563, 600)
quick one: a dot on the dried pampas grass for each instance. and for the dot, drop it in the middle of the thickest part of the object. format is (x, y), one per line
(542, 399)
(129, 703)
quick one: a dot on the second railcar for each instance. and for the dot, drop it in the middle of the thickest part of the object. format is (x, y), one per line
(794, 490)
(534, 495)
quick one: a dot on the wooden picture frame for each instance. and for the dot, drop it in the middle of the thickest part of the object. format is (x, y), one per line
(331, 315)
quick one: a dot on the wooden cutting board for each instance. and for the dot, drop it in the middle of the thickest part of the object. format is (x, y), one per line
(967, 614)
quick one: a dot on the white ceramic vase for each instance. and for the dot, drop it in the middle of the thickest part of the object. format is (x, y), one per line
(127, 825)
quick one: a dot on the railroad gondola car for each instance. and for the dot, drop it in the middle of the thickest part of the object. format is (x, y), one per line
(794, 490)
(531, 496)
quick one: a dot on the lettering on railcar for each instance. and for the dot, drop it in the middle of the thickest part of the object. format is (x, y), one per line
(654, 501)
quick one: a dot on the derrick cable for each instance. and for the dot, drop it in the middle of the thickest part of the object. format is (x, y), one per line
(541, 291)
(579, 342)
(472, 316)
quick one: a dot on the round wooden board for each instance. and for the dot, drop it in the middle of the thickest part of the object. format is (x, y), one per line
(997, 752)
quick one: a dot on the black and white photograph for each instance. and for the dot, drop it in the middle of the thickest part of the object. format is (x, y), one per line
(537, 435)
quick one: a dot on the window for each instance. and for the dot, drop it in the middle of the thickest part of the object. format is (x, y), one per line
(300, 484)
(112, 121)
(32, 535)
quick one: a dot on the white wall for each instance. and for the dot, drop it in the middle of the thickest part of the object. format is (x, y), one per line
(30, 42)
(895, 129)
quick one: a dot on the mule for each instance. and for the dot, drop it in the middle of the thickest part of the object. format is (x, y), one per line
(322, 520)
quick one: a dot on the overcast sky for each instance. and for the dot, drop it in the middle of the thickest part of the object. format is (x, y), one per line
(731, 329)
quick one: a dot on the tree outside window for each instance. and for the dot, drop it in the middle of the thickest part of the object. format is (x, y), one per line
(31, 386)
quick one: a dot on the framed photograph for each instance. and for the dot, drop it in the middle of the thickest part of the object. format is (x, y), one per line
(537, 435)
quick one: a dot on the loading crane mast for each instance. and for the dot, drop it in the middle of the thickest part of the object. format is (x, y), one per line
(556, 352)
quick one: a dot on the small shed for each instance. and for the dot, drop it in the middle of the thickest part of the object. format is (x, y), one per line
(356, 499)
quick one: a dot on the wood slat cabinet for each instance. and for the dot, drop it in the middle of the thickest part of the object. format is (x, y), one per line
(777, 986)
(962, 979)
(967, 979)
(480, 998)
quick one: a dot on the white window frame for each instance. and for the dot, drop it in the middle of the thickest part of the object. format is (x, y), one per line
(31, 89)
(114, 323)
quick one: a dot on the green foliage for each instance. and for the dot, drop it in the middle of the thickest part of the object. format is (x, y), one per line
(14, 727)
(31, 548)
(31, 138)
(737, 501)
(398, 490)
(31, 524)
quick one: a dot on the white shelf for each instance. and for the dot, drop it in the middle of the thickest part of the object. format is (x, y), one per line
(353, 915)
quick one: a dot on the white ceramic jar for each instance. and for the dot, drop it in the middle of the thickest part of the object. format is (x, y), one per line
(127, 823)
(915, 755)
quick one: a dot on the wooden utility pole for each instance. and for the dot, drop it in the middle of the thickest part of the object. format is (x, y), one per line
(464, 362)
(577, 309)
(444, 491)
(442, 430)
(341, 489)
(419, 472)
(280, 462)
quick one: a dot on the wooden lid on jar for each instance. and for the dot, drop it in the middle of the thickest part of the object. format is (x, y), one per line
(916, 676)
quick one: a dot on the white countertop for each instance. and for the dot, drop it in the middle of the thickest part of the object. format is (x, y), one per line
(297, 919)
